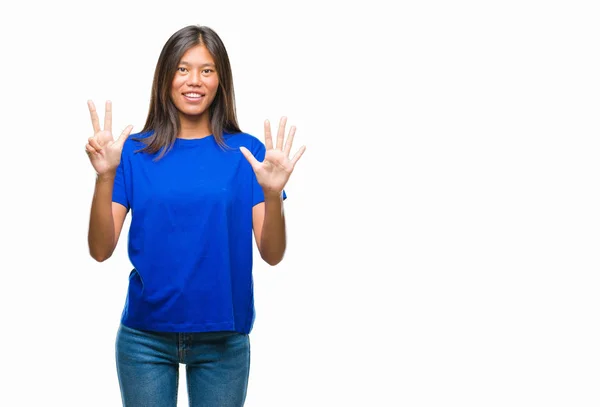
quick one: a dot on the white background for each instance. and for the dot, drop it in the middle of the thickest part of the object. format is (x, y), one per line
(443, 223)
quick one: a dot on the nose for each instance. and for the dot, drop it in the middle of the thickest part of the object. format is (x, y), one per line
(194, 78)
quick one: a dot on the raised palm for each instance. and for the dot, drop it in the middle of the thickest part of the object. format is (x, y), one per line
(102, 149)
(274, 172)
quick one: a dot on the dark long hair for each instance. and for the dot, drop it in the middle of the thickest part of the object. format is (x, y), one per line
(163, 116)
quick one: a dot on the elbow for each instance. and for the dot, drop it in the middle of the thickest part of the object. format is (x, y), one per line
(272, 259)
(271, 253)
(99, 258)
(99, 255)
(272, 262)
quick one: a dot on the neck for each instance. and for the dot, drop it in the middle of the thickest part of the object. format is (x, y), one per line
(194, 126)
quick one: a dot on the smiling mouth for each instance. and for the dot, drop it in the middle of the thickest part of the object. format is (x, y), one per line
(193, 96)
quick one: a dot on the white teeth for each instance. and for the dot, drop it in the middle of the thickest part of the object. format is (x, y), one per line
(193, 95)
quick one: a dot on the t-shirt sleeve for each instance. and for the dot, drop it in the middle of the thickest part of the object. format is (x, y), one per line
(258, 196)
(120, 186)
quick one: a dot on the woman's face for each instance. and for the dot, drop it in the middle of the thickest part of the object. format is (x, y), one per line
(195, 83)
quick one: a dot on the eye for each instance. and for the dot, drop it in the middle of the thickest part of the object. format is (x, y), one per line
(207, 71)
(181, 69)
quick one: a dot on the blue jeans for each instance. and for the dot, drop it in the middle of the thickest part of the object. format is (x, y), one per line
(217, 367)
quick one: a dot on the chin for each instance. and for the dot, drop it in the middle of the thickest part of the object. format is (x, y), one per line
(189, 112)
(193, 115)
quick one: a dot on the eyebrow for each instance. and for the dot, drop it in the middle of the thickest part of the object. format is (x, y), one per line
(203, 65)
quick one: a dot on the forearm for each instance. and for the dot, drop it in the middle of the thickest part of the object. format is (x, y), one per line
(101, 230)
(273, 236)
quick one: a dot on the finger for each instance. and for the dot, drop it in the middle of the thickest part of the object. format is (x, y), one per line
(268, 139)
(298, 155)
(124, 135)
(108, 116)
(95, 145)
(253, 161)
(94, 116)
(89, 149)
(281, 133)
(289, 141)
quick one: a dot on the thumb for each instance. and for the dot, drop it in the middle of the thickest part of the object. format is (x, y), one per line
(253, 161)
(124, 135)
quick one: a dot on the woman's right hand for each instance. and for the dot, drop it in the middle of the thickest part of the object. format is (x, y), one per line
(102, 149)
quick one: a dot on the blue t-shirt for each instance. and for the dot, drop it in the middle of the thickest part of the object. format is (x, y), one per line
(190, 239)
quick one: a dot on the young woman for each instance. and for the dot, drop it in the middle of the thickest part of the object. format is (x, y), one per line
(197, 188)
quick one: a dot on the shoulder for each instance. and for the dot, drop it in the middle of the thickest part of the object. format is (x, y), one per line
(135, 142)
(249, 141)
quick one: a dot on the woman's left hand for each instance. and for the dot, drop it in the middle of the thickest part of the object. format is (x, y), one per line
(274, 172)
